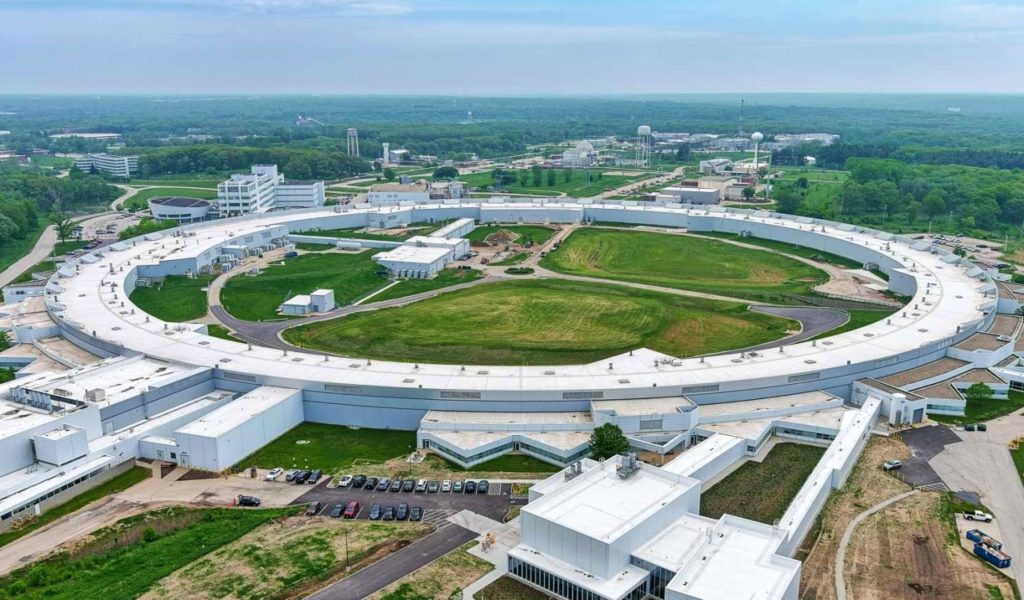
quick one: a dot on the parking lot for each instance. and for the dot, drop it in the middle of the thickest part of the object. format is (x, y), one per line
(437, 507)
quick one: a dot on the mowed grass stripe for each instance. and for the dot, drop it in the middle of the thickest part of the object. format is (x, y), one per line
(541, 322)
(351, 276)
(682, 262)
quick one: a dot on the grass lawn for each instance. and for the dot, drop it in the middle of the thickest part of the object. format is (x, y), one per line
(858, 319)
(351, 276)
(445, 278)
(384, 235)
(985, 410)
(124, 560)
(178, 299)
(506, 588)
(537, 233)
(682, 262)
(61, 248)
(541, 322)
(777, 479)
(121, 482)
(801, 251)
(1018, 461)
(331, 447)
(512, 259)
(510, 463)
(577, 185)
(12, 250)
(42, 267)
(439, 579)
(220, 331)
(140, 200)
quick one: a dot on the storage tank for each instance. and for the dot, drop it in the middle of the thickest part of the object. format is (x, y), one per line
(346, 245)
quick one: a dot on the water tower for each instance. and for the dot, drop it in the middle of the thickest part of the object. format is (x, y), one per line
(353, 141)
(757, 137)
(643, 146)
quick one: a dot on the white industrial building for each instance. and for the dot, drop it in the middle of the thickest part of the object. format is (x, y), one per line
(319, 301)
(390, 194)
(114, 165)
(691, 195)
(581, 155)
(263, 190)
(180, 209)
(423, 257)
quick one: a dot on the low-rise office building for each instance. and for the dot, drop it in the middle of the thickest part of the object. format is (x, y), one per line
(299, 194)
(246, 193)
(180, 209)
(114, 165)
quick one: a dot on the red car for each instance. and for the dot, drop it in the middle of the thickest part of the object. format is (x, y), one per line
(352, 510)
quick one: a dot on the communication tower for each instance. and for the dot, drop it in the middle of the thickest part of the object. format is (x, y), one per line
(353, 141)
(643, 146)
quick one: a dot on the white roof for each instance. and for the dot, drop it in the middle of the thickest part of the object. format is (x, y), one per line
(238, 411)
(601, 505)
(298, 300)
(703, 453)
(119, 378)
(425, 255)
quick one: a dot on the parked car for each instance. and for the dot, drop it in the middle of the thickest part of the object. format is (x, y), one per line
(977, 515)
(375, 512)
(358, 481)
(470, 487)
(383, 484)
(457, 487)
(982, 427)
(446, 486)
(337, 510)
(969, 427)
(290, 475)
(352, 510)
(273, 474)
(432, 487)
(301, 477)
(416, 514)
(389, 513)
(248, 501)
(421, 485)
(345, 481)
(315, 477)
(408, 485)
(313, 509)
(891, 465)
(396, 485)
(403, 512)
(371, 483)
(482, 486)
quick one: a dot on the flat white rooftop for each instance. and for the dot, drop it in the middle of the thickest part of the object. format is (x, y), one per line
(643, 406)
(119, 378)
(601, 505)
(456, 418)
(238, 411)
(469, 440)
(703, 453)
(413, 254)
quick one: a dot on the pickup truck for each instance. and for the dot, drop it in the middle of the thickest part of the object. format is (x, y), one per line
(976, 515)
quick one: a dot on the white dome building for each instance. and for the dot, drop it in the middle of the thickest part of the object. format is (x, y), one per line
(583, 155)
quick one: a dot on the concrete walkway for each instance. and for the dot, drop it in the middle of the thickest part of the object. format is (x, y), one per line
(840, 566)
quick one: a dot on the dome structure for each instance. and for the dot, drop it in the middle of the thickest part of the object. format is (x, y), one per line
(756, 137)
(584, 146)
(643, 130)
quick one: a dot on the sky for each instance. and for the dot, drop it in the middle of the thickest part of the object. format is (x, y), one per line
(510, 47)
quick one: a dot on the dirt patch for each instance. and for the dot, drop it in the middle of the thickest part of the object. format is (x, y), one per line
(196, 474)
(441, 578)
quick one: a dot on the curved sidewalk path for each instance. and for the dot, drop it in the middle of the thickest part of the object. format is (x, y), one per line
(845, 541)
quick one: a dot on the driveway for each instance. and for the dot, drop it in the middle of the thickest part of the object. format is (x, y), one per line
(926, 443)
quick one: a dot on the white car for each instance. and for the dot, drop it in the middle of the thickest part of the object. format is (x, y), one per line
(446, 486)
(273, 474)
(345, 481)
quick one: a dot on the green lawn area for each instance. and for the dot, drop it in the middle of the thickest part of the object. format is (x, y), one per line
(12, 250)
(124, 560)
(178, 299)
(445, 278)
(683, 262)
(576, 187)
(169, 182)
(146, 225)
(351, 276)
(858, 319)
(331, 447)
(776, 480)
(1018, 461)
(813, 174)
(985, 410)
(62, 248)
(801, 251)
(541, 322)
(220, 331)
(537, 233)
(121, 482)
(41, 267)
(140, 200)
(510, 463)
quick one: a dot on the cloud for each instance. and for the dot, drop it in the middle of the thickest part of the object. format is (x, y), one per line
(348, 7)
(983, 15)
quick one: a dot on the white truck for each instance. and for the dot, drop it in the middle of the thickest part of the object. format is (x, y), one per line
(977, 515)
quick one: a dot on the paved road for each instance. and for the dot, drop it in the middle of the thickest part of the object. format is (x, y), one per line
(926, 443)
(40, 252)
(980, 462)
(392, 568)
(845, 541)
(814, 321)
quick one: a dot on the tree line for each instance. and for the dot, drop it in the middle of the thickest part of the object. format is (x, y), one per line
(295, 163)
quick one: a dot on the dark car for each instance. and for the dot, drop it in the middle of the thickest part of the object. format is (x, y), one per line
(396, 485)
(358, 482)
(315, 477)
(969, 427)
(457, 487)
(389, 514)
(470, 487)
(481, 488)
(302, 477)
(982, 427)
(403, 512)
(408, 485)
(248, 501)
(313, 509)
(352, 510)
(337, 510)
(416, 514)
(376, 512)
(433, 486)
(383, 485)
(371, 483)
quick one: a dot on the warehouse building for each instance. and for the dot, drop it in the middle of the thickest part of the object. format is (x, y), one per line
(116, 166)
(319, 301)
